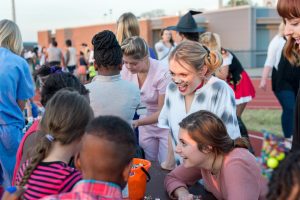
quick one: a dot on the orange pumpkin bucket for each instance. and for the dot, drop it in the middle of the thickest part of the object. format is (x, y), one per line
(138, 178)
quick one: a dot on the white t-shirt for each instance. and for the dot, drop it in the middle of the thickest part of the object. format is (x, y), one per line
(227, 60)
(163, 53)
(72, 58)
(111, 95)
(54, 54)
(274, 51)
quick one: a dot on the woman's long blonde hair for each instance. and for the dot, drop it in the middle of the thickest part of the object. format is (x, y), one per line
(127, 26)
(10, 36)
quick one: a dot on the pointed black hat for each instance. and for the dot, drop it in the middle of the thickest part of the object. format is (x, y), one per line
(187, 24)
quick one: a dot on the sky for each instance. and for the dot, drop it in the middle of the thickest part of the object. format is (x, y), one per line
(36, 15)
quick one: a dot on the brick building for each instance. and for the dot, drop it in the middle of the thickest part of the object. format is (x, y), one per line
(245, 30)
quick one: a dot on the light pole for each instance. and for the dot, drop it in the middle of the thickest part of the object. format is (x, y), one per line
(13, 10)
(220, 4)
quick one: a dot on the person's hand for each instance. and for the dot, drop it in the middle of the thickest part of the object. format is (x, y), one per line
(183, 194)
(135, 123)
(13, 193)
(263, 85)
(186, 197)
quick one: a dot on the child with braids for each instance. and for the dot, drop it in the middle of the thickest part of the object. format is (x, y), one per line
(228, 169)
(109, 94)
(111, 139)
(47, 172)
(52, 84)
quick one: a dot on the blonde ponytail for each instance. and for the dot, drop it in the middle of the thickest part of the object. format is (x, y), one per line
(213, 60)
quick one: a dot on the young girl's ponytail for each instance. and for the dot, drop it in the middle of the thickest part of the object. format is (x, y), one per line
(40, 152)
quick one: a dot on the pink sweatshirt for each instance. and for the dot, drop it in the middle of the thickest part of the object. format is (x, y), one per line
(239, 178)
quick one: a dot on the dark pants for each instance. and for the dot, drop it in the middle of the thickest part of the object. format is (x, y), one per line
(54, 63)
(244, 133)
(287, 99)
(71, 68)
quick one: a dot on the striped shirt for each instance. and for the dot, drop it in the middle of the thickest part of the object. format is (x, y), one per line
(48, 178)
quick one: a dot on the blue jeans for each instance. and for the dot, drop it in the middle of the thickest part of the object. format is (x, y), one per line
(10, 137)
(287, 100)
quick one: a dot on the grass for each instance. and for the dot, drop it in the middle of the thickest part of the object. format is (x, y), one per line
(257, 120)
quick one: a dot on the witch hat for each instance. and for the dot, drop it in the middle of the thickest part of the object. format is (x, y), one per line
(187, 24)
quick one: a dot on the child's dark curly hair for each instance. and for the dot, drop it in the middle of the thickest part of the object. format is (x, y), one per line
(285, 178)
(56, 82)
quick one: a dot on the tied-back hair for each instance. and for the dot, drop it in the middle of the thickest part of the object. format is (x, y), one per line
(289, 9)
(127, 26)
(136, 47)
(10, 36)
(119, 132)
(208, 130)
(55, 82)
(211, 40)
(285, 178)
(190, 36)
(66, 116)
(107, 51)
(195, 55)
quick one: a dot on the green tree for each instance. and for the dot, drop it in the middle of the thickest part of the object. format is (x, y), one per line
(233, 3)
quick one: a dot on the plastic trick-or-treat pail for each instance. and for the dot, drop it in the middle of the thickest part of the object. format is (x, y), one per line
(138, 178)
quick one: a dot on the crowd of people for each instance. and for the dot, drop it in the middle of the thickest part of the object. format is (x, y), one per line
(180, 107)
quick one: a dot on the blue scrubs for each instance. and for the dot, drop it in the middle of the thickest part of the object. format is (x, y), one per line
(15, 84)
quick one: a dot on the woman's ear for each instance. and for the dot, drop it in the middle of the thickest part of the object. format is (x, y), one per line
(207, 149)
(77, 161)
(203, 71)
(120, 67)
